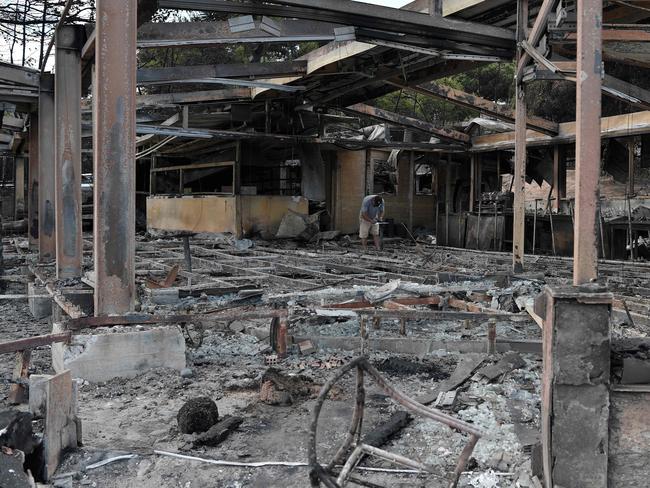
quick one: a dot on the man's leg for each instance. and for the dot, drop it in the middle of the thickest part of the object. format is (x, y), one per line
(364, 227)
(374, 230)
(377, 241)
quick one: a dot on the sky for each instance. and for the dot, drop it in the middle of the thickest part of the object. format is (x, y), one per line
(33, 48)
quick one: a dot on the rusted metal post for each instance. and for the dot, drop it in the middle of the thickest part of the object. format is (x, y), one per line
(588, 111)
(492, 337)
(559, 176)
(447, 197)
(114, 156)
(472, 182)
(281, 346)
(630, 167)
(32, 182)
(519, 212)
(67, 177)
(46, 228)
(412, 189)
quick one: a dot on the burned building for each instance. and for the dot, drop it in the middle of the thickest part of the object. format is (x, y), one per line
(186, 299)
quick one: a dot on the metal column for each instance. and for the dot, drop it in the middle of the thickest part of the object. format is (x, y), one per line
(519, 184)
(588, 111)
(559, 176)
(411, 188)
(630, 167)
(46, 229)
(472, 182)
(114, 156)
(69, 247)
(32, 182)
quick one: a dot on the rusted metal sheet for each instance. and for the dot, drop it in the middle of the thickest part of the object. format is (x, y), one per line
(588, 112)
(69, 248)
(46, 227)
(114, 156)
(32, 184)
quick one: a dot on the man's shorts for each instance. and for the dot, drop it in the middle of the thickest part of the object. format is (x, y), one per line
(366, 227)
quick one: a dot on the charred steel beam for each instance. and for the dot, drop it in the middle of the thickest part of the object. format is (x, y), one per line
(385, 115)
(19, 74)
(33, 342)
(588, 112)
(67, 176)
(32, 185)
(178, 73)
(467, 100)
(519, 184)
(231, 82)
(46, 200)
(361, 15)
(114, 156)
(206, 96)
(141, 319)
(536, 33)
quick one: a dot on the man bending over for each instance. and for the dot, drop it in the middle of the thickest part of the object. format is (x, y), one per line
(372, 212)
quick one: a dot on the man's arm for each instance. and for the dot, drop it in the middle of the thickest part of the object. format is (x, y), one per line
(367, 218)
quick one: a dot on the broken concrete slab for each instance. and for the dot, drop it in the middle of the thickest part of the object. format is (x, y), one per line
(101, 357)
(60, 422)
(40, 303)
(629, 436)
(291, 226)
(37, 394)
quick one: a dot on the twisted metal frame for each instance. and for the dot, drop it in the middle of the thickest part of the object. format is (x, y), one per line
(319, 473)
